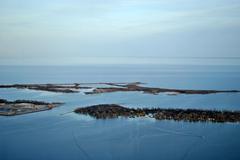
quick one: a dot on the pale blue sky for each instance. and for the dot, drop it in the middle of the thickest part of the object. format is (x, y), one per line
(117, 31)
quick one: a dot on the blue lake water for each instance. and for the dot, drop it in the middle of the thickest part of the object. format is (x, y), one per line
(55, 135)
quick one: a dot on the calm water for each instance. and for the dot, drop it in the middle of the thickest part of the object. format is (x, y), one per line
(52, 135)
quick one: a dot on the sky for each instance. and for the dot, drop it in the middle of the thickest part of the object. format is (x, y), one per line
(69, 32)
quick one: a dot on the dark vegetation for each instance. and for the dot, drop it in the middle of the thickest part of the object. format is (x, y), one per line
(105, 111)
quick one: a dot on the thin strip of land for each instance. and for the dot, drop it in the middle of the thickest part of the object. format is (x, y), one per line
(107, 111)
(111, 87)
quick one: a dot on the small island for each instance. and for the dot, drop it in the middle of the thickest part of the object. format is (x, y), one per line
(107, 111)
(12, 108)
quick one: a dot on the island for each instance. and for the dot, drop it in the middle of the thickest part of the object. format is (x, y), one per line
(12, 108)
(153, 90)
(107, 111)
(62, 88)
(88, 88)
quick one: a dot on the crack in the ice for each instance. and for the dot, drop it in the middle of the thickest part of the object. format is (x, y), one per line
(85, 153)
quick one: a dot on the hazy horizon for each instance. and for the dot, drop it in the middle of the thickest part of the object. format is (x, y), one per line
(72, 32)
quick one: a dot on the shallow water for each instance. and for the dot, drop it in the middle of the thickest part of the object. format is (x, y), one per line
(62, 134)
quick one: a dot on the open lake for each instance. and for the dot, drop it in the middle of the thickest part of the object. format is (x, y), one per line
(61, 134)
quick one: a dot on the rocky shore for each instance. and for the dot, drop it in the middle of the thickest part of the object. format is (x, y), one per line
(11, 108)
(105, 111)
(111, 87)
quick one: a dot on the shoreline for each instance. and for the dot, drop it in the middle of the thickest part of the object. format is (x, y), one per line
(18, 107)
(111, 87)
